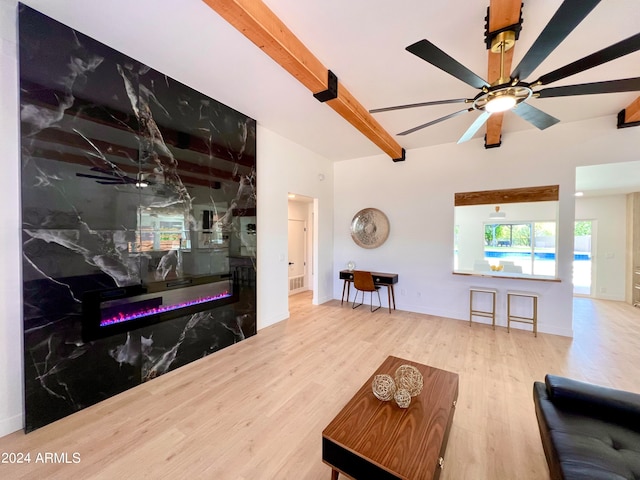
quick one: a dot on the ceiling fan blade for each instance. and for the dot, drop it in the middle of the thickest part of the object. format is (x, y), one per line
(413, 105)
(107, 171)
(566, 18)
(111, 179)
(475, 126)
(114, 182)
(437, 120)
(436, 57)
(605, 55)
(534, 116)
(609, 86)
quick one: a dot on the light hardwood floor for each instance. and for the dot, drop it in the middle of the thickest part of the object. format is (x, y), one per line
(256, 410)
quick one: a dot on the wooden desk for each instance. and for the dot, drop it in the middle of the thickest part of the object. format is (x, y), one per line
(382, 279)
(374, 439)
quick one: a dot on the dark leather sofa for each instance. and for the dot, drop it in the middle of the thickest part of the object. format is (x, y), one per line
(588, 431)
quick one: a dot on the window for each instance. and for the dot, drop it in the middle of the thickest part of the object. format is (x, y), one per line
(160, 229)
(527, 248)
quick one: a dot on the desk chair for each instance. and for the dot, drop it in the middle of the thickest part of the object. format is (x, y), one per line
(363, 282)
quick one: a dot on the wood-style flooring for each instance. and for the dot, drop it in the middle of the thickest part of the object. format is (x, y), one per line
(256, 410)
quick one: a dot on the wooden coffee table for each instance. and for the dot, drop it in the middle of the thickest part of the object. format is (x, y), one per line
(374, 439)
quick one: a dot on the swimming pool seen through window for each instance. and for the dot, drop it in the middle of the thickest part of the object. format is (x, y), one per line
(518, 239)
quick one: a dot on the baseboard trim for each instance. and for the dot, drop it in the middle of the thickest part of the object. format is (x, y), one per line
(615, 298)
(322, 300)
(11, 424)
(273, 319)
(500, 320)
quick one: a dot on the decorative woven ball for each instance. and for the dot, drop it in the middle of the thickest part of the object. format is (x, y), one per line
(383, 387)
(409, 378)
(402, 397)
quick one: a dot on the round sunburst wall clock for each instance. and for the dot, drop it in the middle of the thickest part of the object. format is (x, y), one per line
(370, 228)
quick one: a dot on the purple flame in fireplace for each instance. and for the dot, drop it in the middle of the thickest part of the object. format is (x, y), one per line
(147, 312)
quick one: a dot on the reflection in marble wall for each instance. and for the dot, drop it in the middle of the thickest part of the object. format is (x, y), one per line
(128, 178)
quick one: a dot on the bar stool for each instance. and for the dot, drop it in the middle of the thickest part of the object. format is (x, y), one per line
(532, 320)
(483, 313)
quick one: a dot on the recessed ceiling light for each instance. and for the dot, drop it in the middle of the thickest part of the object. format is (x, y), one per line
(291, 195)
(579, 194)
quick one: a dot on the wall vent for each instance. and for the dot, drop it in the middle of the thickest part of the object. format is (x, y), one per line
(296, 283)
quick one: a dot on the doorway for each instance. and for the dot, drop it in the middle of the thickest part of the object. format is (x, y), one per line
(297, 256)
(582, 257)
(301, 249)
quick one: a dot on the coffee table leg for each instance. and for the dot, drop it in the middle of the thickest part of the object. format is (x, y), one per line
(334, 474)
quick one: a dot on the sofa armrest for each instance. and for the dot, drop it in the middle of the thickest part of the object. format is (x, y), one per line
(615, 405)
(544, 408)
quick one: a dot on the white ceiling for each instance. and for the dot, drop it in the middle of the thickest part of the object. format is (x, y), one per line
(363, 42)
(608, 179)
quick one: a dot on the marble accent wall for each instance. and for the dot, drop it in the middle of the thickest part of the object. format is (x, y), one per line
(128, 178)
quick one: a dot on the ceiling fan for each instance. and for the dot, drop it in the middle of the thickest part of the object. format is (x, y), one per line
(511, 92)
(110, 177)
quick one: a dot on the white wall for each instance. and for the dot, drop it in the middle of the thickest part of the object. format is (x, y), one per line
(10, 280)
(608, 261)
(284, 167)
(418, 194)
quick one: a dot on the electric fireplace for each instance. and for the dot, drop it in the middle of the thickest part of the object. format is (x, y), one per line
(112, 311)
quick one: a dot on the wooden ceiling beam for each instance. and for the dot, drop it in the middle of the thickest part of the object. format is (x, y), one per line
(632, 112)
(502, 13)
(259, 24)
(547, 193)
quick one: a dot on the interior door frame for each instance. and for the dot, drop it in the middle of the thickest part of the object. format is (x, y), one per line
(305, 270)
(311, 258)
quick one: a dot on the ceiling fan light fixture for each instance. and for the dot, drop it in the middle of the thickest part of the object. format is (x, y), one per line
(500, 103)
(502, 98)
(141, 182)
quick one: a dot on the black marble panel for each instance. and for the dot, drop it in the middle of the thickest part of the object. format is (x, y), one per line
(128, 178)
